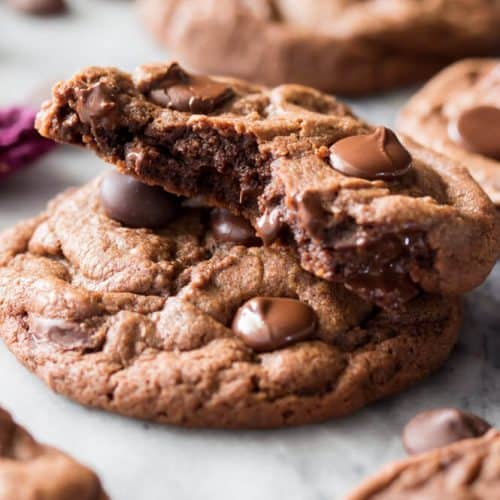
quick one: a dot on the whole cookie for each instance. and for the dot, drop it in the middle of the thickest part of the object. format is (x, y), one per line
(182, 325)
(458, 114)
(386, 218)
(469, 469)
(31, 471)
(339, 46)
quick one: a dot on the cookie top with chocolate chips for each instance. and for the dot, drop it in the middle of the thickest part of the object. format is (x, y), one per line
(31, 471)
(458, 114)
(468, 469)
(386, 218)
(192, 321)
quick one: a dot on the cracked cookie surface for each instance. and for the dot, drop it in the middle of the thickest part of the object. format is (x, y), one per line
(31, 471)
(468, 469)
(138, 322)
(266, 154)
(429, 114)
(339, 46)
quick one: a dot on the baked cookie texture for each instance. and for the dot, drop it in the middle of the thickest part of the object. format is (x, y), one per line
(428, 115)
(138, 321)
(265, 154)
(468, 470)
(31, 471)
(338, 46)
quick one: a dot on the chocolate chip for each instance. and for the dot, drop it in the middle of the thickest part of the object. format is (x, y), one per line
(371, 156)
(268, 323)
(38, 7)
(478, 130)
(97, 103)
(190, 93)
(388, 289)
(135, 204)
(270, 225)
(436, 428)
(67, 334)
(311, 214)
(228, 227)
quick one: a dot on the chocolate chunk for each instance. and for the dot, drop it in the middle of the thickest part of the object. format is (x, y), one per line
(38, 7)
(388, 289)
(441, 427)
(371, 156)
(135, 204)
(97, 103)
(478, 130)
(67, 334)
(189, 93)
(268, 323)
(232, 228)
(269, 226)
(311, 214)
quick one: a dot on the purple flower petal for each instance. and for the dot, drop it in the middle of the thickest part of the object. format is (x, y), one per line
(20, 143)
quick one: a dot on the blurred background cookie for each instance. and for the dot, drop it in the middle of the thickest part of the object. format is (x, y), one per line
(458, 114)
(339, 46)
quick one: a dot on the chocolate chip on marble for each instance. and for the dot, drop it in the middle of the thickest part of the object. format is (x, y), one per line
(231, 228)
(189, 93)
(38, 7)
(478, 130)
(371, 156)
(136, 204)
(440, 427)
(269, 323)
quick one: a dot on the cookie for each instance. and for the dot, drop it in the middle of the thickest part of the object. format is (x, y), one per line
(458, 114)
(338, 46)
(30, 471)
(468, 469)
(360, 208)
(195, 322)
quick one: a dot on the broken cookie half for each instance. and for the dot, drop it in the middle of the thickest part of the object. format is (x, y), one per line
(384, 216)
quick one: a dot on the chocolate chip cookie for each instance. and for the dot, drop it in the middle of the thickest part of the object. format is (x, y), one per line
(177, 313)
(384, 218)
(339, 46)
(458, 114)
(468, 469)
(31, 471)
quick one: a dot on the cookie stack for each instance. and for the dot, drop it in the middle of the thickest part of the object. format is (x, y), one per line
(260, 258)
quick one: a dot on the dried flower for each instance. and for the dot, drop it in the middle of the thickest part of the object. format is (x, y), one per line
(20, 143)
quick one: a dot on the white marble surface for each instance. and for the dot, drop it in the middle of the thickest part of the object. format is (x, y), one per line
(141, 461)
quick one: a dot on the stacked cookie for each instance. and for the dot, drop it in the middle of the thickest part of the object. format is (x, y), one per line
(261, 258)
